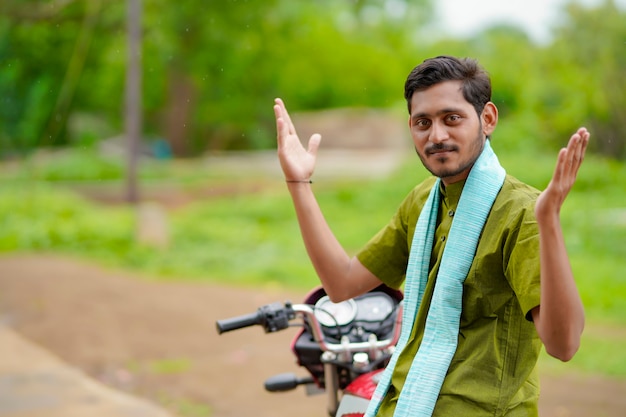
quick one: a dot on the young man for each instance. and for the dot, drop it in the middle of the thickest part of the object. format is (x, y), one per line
(481, 255)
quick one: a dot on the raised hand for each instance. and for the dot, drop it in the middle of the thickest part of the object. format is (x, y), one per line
(560, 318)
(296, 162)
(568, 162)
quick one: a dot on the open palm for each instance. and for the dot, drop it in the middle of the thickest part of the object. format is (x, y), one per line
(296, 162)
(564, 177)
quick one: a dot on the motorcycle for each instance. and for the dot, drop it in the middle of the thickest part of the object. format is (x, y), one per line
(342, 346)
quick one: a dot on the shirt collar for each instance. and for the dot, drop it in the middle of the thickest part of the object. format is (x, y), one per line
(451, 193)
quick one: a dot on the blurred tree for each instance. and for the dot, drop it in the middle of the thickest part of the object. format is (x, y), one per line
(40, 68)
(211, 69)
(215, 59)
(589, 57)
(225, 63)
(133, 121)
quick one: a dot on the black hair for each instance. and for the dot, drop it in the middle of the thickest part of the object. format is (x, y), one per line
(476, 84)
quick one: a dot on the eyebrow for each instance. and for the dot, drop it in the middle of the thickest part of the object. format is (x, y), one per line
(440, 112)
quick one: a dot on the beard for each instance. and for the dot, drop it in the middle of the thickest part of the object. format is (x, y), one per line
(437, 165)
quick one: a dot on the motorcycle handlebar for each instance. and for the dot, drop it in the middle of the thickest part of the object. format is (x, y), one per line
(273, 317)
(239, 322)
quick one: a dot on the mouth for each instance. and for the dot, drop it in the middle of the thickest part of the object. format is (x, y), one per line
(438, 151)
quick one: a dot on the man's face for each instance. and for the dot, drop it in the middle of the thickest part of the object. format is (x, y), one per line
(447, 133)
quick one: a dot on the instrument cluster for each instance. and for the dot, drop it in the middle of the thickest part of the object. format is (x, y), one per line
(366, 313)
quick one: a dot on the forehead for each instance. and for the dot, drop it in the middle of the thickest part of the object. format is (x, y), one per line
(440, 97)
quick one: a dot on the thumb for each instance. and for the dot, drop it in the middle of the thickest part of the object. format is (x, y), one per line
(314, 144)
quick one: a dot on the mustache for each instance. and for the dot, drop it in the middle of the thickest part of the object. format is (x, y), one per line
(440, 147)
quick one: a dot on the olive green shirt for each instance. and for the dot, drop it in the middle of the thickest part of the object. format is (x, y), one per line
(493, 370)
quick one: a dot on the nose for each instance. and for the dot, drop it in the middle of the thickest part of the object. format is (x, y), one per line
(438, 133)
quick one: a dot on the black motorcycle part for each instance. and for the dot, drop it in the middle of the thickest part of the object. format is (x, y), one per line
(285, 382)
(273, 317)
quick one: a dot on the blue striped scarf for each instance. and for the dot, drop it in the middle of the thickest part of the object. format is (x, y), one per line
(430, 365)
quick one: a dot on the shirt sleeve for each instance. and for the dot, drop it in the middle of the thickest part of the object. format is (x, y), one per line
(386, 255)
(523, 266)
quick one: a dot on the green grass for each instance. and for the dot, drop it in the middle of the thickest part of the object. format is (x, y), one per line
(252, 239)
(183, 407)
(169, 366)
(601, 351)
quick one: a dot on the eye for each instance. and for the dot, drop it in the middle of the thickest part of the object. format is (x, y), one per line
(453, 119)
(421, 123)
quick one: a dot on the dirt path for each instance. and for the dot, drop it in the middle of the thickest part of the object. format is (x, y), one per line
(158, 340)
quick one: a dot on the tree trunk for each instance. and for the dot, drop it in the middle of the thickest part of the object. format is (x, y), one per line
(178, 113)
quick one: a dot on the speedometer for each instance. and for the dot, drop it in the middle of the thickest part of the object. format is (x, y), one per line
(331, 314)
(375, 307)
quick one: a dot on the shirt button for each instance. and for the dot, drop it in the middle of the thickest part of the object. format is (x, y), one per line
(451, 213)
(443, 238)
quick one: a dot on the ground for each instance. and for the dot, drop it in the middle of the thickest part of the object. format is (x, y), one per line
(158, 340)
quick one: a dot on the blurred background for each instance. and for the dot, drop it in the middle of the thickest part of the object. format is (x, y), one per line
(139, 136)
(211, 69)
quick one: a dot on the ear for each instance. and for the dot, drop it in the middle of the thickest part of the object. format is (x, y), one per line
(489, 118)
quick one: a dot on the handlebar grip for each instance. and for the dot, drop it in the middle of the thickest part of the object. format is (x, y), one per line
(234, 323)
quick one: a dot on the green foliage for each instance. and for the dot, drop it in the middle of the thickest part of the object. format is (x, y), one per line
(589, 56)
(254, 238)
(81, 165)
(170, 366)
(185, 407)
(239, 240)
(601, 350)
(242, 238)
(212, 69)
(38, 218)
(75, 166)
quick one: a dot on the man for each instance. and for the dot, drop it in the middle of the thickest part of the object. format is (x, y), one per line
(481, 255)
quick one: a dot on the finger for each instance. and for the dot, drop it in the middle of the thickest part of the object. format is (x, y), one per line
(561, 163)
(282, 132)
(577, 149)
(585, 135)
(572, 162)
(583, 132)
(285, 115)
(279, 114)
(575, 155)
(279, 109)
(314, 144)
(283, 128)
